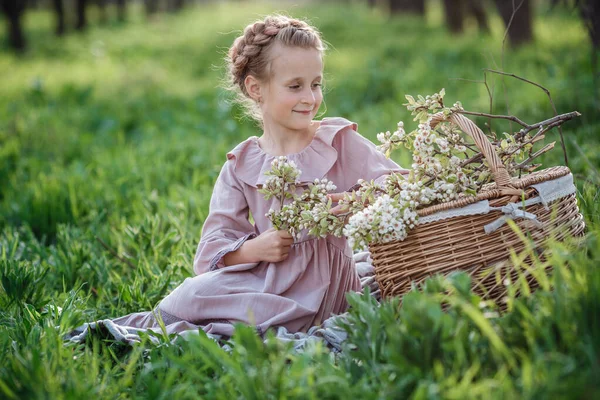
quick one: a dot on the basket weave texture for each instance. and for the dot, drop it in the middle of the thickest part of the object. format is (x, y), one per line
(460, 243)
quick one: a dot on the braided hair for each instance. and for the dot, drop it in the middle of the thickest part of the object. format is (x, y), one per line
(249, 54)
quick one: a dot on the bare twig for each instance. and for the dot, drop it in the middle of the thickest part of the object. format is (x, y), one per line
(491, 103)
(474, 158)
(562, 139)
(517, 77)
(114, 253)
(538, 153)
(490, 93)
(537, 137)
(508, 25)
(509, 117)
(557, 119)
(471, 146)
(484, 81)
(545, 126)
(532, 140)
(550, 122)
(510, 21)
(528, 168)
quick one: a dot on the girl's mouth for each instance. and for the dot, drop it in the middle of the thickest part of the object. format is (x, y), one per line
(304, 112)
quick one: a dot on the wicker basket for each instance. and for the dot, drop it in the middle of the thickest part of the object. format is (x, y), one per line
(452, 236)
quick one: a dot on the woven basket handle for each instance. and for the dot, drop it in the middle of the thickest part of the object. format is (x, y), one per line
(499, 172)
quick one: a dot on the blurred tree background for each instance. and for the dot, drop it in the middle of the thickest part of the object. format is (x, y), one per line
(516, 14)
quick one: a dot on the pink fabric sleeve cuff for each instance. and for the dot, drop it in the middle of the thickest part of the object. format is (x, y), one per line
(217, 261)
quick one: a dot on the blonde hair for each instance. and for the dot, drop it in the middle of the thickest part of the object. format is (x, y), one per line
(249, 54)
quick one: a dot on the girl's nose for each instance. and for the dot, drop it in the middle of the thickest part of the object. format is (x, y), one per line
(308, 98)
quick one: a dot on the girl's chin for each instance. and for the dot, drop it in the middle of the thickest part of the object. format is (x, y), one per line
(299, 125)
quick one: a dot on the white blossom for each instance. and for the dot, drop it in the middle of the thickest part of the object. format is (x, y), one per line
(381, 213)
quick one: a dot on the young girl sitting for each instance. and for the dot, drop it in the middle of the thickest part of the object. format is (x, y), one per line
(249, 272)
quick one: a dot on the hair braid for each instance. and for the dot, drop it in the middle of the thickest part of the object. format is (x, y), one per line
(249, 52)
(248, 47)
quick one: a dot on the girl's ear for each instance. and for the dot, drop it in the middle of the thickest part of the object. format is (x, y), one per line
(253, 87)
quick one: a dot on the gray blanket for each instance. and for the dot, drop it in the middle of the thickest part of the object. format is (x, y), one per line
(329, 332)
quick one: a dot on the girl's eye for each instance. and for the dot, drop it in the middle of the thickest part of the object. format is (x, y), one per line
(294, 86)
(316, 85)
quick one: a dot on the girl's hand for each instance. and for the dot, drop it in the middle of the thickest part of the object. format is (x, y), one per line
(336, 197)
(271, 245)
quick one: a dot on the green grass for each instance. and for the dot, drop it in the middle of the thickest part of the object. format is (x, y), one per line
(114, 138)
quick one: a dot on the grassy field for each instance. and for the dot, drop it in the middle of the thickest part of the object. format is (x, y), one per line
(110, 141)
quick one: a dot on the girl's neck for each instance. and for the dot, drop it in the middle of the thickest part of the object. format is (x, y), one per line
(281, 142)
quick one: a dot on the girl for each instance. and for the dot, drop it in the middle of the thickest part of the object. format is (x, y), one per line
(249, 272)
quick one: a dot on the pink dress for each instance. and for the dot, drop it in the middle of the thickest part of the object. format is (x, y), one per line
(297, 293)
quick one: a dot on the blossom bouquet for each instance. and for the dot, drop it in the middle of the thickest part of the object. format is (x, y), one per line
(451, 212)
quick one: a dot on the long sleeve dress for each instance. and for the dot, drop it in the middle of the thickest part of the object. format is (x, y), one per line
(297, 293)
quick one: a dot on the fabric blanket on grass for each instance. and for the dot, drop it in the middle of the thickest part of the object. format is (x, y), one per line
(329, 332)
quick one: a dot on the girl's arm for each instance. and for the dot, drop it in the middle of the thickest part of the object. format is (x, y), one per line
(244, 254)
(228, 238)
(226, 228)
(271, 245)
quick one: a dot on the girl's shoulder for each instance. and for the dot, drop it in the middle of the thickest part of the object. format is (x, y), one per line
(342, 134)
(331, 127)
(247, 161)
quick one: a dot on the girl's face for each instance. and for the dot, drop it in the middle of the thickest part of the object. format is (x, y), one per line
(292, 96)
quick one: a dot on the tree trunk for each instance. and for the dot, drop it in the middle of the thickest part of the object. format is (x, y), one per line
(476, 9)
(121, 10)
(590, 13)
(103, 17)
(59, 10)
(407, 6)
(13, 11)
(174, 5)
(81, 18)
(371, 3)
(454, 15)
(151, 6)
(519, 31)
(179, 4)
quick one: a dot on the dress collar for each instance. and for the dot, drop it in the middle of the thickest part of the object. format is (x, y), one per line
(315, 160)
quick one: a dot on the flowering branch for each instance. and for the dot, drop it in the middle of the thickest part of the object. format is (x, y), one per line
(308, 210)
(445, 167)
